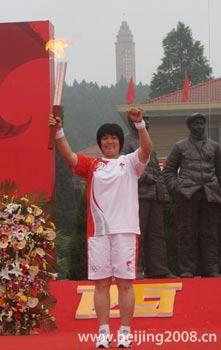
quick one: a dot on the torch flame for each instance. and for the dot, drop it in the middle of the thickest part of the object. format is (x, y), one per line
(57, 46)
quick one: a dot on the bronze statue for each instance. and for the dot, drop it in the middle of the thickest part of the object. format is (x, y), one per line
(193, 177)
(152, 196)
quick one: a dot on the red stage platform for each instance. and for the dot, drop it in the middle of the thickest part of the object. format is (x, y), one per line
(195, 323)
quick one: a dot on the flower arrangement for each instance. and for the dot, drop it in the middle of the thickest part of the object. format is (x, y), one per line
(26, 255)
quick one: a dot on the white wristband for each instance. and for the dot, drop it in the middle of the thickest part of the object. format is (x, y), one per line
(140, 125)
(59, 134)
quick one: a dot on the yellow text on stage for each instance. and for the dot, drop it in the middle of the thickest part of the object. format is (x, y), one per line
(151, 300)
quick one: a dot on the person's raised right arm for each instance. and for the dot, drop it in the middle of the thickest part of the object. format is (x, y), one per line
(62, 143)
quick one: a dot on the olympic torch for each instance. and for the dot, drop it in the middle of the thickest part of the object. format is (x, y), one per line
(57, 47)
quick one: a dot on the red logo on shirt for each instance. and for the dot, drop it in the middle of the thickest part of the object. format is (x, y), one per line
(101, 164)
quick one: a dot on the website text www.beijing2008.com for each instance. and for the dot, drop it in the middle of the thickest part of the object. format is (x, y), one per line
(140, 337)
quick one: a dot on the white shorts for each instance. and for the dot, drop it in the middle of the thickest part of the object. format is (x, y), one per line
(112, 255)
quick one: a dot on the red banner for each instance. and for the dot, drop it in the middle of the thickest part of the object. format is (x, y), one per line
(186, 87)
(26, 79)
(130, 98)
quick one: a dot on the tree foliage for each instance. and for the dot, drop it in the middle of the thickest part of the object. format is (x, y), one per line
(87, 106)
(181, 54)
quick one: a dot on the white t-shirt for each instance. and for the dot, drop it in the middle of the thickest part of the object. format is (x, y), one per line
(113, 194)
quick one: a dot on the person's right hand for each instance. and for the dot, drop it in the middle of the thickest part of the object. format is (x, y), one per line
(54, 121)
(135, 114)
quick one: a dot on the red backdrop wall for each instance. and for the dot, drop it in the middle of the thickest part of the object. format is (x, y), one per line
(26, 81)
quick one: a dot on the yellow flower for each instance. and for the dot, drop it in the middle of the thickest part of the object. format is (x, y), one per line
(23, 297)
(40, 230)
(29, 219)
(24, 199)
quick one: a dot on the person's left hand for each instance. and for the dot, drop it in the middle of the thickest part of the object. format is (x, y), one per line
(135, 114)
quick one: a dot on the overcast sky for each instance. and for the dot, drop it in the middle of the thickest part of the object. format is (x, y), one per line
(91, 27)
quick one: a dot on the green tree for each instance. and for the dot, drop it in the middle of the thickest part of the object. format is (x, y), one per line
(87, 106)
(181, 54)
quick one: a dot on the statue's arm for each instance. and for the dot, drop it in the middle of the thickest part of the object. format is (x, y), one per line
(152, 171)
(170, 170)
(218, 163)
(147, 177)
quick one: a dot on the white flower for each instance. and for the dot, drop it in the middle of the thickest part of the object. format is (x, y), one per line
(9, 316)
(16, 269)
(32, 302)
(4, 274)
(12, 207)
(20, 235)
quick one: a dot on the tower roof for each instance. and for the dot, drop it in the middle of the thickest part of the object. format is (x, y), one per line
(124, 33)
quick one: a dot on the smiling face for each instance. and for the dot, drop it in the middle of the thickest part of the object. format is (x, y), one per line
(110, 146)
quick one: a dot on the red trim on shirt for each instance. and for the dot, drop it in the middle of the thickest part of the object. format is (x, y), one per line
(85, 168)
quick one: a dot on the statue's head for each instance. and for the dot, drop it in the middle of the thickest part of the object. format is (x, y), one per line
(197, 124)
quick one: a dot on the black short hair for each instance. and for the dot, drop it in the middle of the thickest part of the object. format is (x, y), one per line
(110, 129)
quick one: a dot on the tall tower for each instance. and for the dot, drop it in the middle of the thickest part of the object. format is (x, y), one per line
(125, 54)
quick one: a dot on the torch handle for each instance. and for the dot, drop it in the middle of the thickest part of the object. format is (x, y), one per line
(56, 111)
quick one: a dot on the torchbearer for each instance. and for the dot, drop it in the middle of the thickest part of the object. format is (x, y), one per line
(112, 217)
